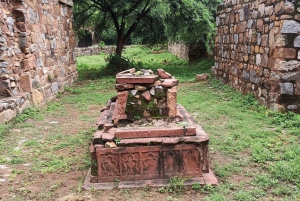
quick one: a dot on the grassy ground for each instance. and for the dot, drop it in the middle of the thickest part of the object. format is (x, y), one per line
(254, 152)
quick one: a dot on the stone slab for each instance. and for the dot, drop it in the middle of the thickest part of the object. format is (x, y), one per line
(154, 183)
(136, 79)
(144, 132)
(163, 141)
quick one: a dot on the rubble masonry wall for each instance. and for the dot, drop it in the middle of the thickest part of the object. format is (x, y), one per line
(36, 53)
(258, 50)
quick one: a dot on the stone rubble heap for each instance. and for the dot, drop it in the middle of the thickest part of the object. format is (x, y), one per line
(258, 50)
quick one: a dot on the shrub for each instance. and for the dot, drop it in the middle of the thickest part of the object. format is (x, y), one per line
(116, 64)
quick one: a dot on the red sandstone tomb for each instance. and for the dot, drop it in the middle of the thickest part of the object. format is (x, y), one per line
(144, 137)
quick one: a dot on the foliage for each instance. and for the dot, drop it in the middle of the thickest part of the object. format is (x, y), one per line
(176, 185)
(92, 67)
(116, 64)
(148, 21)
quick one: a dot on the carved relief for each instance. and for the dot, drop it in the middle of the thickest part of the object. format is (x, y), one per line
(149, 163)
(130, 164)
(109, 165)
(191, 161)
(171, 161)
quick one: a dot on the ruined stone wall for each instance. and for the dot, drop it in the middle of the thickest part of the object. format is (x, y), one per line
(94, 50)
(180, 50)
(36, 53)
(258, 50)
(186, 52)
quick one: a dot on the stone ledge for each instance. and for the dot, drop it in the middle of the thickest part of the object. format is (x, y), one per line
(206, 179)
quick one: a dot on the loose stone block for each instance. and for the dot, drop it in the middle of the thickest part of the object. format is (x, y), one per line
(172, 102)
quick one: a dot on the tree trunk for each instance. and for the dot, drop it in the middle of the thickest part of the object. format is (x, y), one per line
(120, 45)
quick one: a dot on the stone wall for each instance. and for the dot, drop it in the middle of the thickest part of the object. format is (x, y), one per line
(36, 53)
(258, 50)
(186, 52)
(94, 50)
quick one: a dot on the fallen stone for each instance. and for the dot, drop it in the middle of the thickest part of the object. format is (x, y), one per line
(169, 83)
(163, 74)
(203, 76)
(110, 145)
(109, 135)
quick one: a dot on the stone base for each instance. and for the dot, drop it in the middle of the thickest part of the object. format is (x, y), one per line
(206, 179)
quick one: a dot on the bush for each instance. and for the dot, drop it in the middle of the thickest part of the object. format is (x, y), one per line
(116, 64)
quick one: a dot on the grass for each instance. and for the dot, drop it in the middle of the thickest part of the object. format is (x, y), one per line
(141, 57)
(254, 152)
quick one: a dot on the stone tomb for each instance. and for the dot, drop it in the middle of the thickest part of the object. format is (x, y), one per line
(144, 137)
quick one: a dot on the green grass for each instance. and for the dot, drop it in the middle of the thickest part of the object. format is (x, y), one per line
(254, 152)
(90, 67)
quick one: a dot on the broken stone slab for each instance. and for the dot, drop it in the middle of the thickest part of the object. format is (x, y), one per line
(107, 126)
(163, 74)
(169, 83)
(144, 132)
(102, 119)
(109, 135)
(97, 137)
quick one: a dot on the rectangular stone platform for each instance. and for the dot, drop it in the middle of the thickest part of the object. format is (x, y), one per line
(145, 138)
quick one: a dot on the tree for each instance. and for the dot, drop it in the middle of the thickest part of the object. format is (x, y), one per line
(153, 20)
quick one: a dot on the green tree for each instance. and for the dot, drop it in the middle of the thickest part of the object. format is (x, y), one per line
(150, 20)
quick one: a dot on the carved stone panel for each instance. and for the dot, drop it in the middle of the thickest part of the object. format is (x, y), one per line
(152, 162)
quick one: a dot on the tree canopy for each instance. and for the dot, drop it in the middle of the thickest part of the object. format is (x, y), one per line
(149, 21)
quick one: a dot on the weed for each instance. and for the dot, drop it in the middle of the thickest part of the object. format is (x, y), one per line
(176, 185)
(162, 190)
(117, 140)
(196, 186)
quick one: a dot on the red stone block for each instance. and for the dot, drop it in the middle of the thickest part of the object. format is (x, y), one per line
(109, 135)
(122, 100)
(154, 162)
(147, 95)
(163, 74)
(169, 83)
(102, 119)
(144, 132)
(190, 131)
